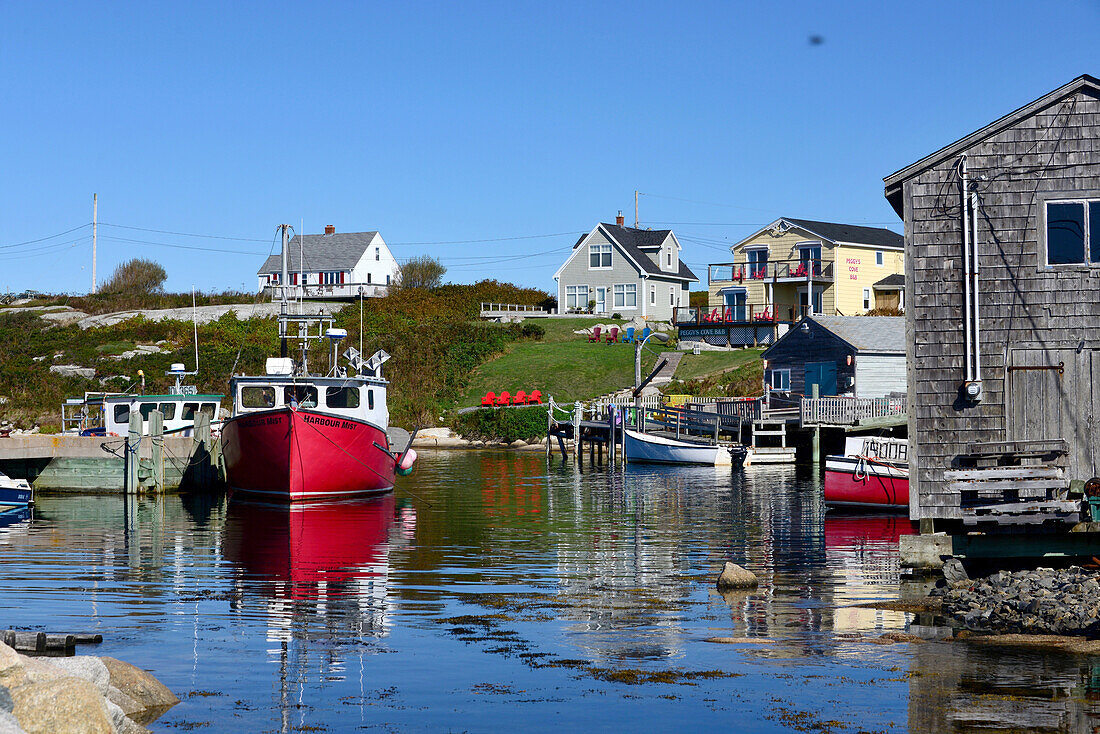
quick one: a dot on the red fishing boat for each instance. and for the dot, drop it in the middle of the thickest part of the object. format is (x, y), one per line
(873, 474)
(295, 436)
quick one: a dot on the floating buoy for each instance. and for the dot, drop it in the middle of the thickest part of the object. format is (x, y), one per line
(405, 466)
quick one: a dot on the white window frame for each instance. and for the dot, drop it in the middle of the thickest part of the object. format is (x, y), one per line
(762, 253)
(652, 295)
(818, 294)
(785, 377)
(573, 300)
(866, 299)
(672, 295)
(378, 253)
(625, 295)
(880, 257)
(602, 253)
(1085, 203)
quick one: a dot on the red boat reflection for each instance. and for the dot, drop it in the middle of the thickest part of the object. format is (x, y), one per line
(314, 545)
(852, 532)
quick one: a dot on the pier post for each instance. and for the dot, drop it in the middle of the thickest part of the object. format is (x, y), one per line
(156, 439)
(815, 391)
(132, 453)
(200, 453)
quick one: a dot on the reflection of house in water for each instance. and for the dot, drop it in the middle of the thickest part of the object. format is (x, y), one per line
(624, 557)
(861, 552)
(324, 568)
(958, 686)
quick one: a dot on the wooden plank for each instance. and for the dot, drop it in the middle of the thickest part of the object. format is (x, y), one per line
(1005, 472)
(1003, 485)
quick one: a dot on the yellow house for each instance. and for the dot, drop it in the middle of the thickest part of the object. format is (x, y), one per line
(794, 267)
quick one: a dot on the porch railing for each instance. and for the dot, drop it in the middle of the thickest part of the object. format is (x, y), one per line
(846, 411)
(771, 270)
(337, 290)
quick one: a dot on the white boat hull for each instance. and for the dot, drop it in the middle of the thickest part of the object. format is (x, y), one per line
(647, 448)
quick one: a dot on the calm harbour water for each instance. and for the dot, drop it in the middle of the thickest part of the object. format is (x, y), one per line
(496, 591)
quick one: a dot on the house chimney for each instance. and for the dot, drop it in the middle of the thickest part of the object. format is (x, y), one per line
(330, 229)
(619, 218)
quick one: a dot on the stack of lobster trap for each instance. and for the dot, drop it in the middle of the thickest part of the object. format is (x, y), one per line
(1013, 483)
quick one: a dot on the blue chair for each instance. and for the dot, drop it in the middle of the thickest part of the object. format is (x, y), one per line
(629, 337)
(646, 332)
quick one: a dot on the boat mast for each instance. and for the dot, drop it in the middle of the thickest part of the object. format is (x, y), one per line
(285, 283)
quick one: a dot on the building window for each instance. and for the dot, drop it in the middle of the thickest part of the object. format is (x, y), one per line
(331, 277)
(576, 296)
(866, 299)
(672, 296)
(781, 380)
(387, 279)
(669, 258)
(599, 256)
(368, 278)
(809, 260)
(274, 277)
(626, 295)
(378, 253)
(1073, 232)
(758, 263)
(879, 258)
(652, 295)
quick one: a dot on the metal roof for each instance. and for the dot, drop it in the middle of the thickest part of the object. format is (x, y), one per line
(894, 281)
(856, 234)
(879, 334)
(322, 252)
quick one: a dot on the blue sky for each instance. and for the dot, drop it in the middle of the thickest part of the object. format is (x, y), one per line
(444, 123)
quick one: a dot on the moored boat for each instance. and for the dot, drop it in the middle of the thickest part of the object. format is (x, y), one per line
(295, 436)
(657, 449)
(14, 493)
(872, 474)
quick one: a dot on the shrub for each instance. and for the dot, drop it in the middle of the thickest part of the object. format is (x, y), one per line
(136, 276)
(421, 272)
(501, 424)
(617, 315)
(532, 331)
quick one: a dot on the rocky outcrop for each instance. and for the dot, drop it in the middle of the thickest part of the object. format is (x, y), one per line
(77, 694)
(1041, 601)
(141, 350)
(73, 370)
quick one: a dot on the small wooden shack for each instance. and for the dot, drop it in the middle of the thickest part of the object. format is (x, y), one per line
(1002, 308)
(859, 356)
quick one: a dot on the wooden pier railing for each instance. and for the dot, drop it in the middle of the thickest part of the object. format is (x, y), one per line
(846, 411)
(496, 310)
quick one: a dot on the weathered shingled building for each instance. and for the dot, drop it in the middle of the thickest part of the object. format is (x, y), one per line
(1023, 193)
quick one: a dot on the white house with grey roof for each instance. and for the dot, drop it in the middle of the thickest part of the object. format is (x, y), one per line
(332, 265)
(624, 270)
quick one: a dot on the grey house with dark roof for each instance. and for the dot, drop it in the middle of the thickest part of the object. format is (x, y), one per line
(624, 270)
(859, 356)
(332, 265)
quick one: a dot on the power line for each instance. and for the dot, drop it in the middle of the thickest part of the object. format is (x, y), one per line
(183, 247)
(473, 242)
(184, 234)
(43, 239)
(707, 203)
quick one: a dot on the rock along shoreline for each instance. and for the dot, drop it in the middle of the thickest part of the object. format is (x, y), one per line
(1042, 601)
(83, 693)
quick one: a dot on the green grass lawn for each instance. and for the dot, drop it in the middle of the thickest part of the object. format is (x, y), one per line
(562, 364)
(693, 366)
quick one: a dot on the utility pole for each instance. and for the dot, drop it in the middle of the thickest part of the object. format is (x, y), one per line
(95, 218)
(635, 208)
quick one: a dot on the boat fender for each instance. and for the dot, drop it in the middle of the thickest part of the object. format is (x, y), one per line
(405, 465)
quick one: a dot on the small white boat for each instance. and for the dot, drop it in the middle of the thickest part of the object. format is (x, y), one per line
(14, 492)
(654, 449)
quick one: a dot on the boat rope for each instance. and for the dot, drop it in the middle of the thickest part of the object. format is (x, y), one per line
(356, 458)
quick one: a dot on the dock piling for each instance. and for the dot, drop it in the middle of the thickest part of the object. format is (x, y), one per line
(133, 453)
(156, 439)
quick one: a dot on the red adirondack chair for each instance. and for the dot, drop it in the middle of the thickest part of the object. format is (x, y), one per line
(520, 398)
(534, 398)
(595, 335)
(489, 399)
(613, 336)
(505, 398)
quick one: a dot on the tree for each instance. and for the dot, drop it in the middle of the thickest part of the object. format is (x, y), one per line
(136, 276)
(421, 272)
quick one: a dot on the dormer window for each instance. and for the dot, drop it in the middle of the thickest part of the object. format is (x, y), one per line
(669, 259)
(599, 256)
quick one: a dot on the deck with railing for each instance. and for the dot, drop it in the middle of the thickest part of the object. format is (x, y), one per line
(847, 411)
(498, 310)
(776, 271)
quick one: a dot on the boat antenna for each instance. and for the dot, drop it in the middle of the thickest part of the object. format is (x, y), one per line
(285, 284)
(360, 320)
(195, 323)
